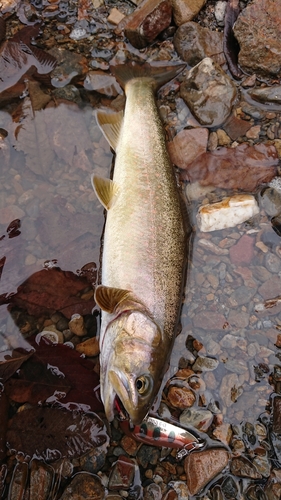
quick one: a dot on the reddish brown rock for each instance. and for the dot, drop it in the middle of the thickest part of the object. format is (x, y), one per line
(188, 145)
(235, 127)
(122, 473)
(243, 251)
(244, 167)
(147, 21)
(258, 31)
(181, 397)
(193, 43)
(202, 467)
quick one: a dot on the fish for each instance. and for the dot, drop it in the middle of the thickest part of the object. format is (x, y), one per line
(144, 247)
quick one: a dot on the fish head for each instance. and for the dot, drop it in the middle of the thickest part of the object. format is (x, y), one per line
(135, 365)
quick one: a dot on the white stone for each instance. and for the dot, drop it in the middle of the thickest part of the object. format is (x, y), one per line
(227, 213)
(220, 11)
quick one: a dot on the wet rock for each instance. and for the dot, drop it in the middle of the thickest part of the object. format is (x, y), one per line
(69, 66)
(258, 32)
(262, 465)
(229, 382)
(103, 83)
(270, 288)
(219, 12)
(242, 252)
(272, 263)
(211, 247)
(147, 21)
(273, 486)
(93, 461)
(209, 93)
(253, 166)
(238, 319)
(205, 364)
(84, 486)
(277, 415)
(180, 488)
(181, 397)
(122, 474)
(19, 481)
(199, 418)
(229, 487)
(223, 432)
(193, 43)
(76, 325)
(242, 295)
(41, 478)
(271, 201)
(235, 127)
(202, 467)
(89, 347)
(276, 224)
(267, 94)
(242, 467)
(186, 10)
(10, 213)
(115, 16)
(152, 492)
(209, 320)
(188, 145)
(229, 212)
(148, 455)
(129, 445)
(261, 273)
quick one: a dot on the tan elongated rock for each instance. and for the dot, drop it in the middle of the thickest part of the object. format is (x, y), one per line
(227, 213)
(186, 10)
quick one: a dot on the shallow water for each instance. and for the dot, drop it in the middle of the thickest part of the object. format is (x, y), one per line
(46, 162)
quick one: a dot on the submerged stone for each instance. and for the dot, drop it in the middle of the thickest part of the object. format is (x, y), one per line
(193, 43)
(209, 93)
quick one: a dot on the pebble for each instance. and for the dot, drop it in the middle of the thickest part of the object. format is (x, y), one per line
(122, 474)
(186, 10)
(243, 251)
(205, 364)
(194, 42)
(76, 325)
(187, 145)
(87, 483)
(200, 419)
(89, 347)
(242, 467)
(181, 397)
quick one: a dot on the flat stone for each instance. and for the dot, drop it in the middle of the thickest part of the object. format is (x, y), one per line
(203, 466)
(193, 43)
(243, 167)
(147, 21)
(270, 288)
(209, 320)
(235, 127)
(243, 251)
(238, 319)
(223, 432)
(242, 467)
(205, 364)
(187, 145)
(122, 474)
(186, 10)
(261, 273)
(272, 263)
(277, 415)
(10, 213)
(76, 325)
(258, 31)
(181, 397)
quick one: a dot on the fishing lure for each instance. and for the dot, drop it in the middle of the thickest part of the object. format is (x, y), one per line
(156, 432)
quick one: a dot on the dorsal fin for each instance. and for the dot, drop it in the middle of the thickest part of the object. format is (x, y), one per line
(106, 190)
(110, 124)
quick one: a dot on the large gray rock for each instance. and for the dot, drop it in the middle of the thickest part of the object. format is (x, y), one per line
(209, 93)
(258, 31)
(193, 43)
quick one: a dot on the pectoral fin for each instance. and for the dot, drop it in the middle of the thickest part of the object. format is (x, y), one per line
(106, 190)
(110, 125)
(108, 298)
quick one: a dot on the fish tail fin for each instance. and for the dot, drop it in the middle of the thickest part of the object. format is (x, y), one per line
(158, 72)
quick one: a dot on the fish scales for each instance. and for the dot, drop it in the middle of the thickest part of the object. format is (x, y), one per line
(144, 255)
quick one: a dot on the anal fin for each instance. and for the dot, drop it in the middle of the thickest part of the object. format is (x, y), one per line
(106, 190)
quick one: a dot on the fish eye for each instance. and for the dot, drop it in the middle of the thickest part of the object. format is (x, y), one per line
(142, 384)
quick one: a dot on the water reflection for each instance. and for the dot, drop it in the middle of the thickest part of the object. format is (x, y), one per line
(227, 348)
